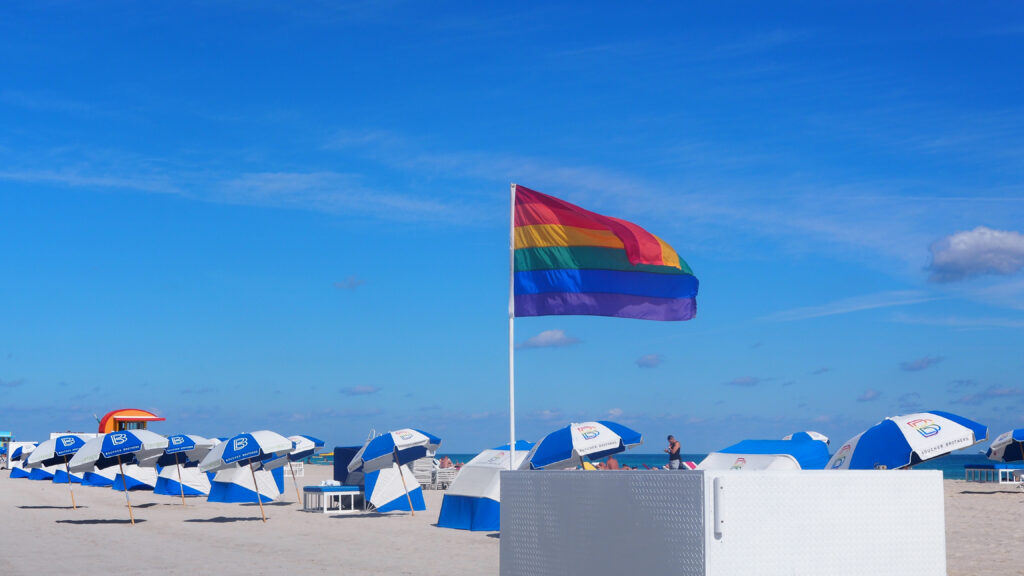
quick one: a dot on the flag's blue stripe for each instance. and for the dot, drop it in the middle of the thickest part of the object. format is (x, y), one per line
(606, 282)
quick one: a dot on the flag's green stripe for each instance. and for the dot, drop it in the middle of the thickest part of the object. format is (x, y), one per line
(586, 258)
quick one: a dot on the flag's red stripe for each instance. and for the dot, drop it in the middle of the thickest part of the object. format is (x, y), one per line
(532, 208)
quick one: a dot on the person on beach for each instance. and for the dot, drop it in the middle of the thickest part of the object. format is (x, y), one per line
(613, 463)
(674, 458)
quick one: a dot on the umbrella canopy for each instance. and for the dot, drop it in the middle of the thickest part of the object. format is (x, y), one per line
(401, 446)
(250, 450)
(184, 448)
(566, 447)
(1008, 446)
(59, 450)
(22, 452)
(472, 502)
(808, 435)
(305, 446)
(140, 447)
(245, 449)
(902, 441)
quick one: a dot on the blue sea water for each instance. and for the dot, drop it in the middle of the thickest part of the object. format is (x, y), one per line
(952, 466)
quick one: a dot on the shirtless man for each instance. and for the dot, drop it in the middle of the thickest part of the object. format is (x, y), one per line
(674, 458)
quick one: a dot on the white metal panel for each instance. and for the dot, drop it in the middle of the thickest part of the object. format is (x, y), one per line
(826, 522)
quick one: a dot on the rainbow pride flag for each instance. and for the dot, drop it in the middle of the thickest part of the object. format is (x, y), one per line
(570, 261)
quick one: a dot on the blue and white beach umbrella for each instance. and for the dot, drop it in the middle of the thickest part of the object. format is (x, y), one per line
(808, 435)
(17, 461)
(140, 447)
(473, 501)
(1008, 446)
(392, 450)
(54, 452)
(903, 441)
(401, 447)
(247, 450)
(305, 446)
(568, 446)
(182, 450)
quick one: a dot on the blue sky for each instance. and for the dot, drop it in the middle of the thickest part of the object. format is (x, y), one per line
(296, 217)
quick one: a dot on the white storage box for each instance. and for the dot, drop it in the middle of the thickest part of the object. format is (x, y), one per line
(718, 523)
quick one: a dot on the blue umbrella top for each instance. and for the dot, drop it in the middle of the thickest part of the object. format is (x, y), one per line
(297, 453)
(55, 451)
(400, 446)
(1007, 447)
(567, 446)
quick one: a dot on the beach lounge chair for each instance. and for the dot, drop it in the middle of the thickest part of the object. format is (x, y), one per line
(424, 471)
(445, 477)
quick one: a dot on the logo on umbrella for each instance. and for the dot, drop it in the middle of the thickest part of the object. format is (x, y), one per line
(842, 454)
(739, 463)
(925, 427)
(177, 440)
(405, 435)
(67, 441)
(240, 443)
(118, 439)
(588, 432)
(496, 458)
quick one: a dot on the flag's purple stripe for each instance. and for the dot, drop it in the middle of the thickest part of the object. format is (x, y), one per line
(596, 304)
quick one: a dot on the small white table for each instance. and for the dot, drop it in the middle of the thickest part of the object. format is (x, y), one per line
(333, 499)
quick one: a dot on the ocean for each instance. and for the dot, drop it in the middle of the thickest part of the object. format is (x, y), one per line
(952, 466)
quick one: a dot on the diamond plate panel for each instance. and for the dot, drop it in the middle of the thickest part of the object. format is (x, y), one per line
(586, 523)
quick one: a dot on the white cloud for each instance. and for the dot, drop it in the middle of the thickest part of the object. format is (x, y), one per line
(745, 381)
(977, 252)
(855, 304)
(548, 339)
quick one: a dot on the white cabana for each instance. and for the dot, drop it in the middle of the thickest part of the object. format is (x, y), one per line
(192, 481)
(472, 502)
(386, 493)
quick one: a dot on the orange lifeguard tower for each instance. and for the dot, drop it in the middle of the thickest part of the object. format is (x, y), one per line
(127, 419)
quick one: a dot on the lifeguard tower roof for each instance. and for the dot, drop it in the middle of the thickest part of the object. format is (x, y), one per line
(127, 419)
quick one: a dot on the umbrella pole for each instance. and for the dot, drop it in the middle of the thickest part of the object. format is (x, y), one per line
(259, 498)
(404, 487)
(180, 485)
(298, 497)
(68, 470)
(124, 484)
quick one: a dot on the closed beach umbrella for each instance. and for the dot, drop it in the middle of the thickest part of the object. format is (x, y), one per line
(305, 446)
(473, 500)
(250, 450)
(1008, 446)
(181, 450)
(568, 446)
(140, 447)
(808, 435)
(57, 451)
(392, 450)
(904, 441)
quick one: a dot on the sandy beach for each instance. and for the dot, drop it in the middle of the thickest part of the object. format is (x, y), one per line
(39, 526)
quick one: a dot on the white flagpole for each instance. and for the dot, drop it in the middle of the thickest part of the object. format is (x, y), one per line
(511, 330)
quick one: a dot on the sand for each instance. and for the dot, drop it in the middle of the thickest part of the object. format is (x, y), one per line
(40, 533)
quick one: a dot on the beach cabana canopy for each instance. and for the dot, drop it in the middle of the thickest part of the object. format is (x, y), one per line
(903, 441)
(472, 502)
(801, 453)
